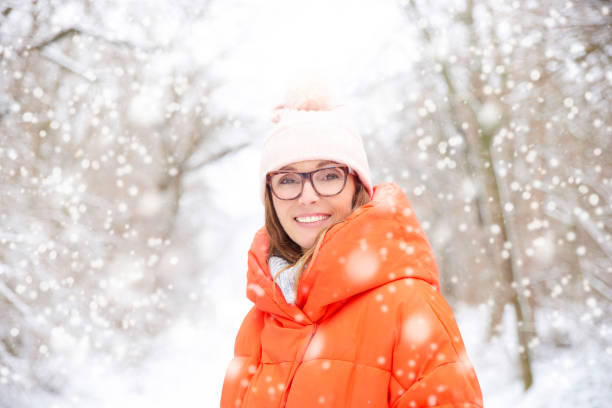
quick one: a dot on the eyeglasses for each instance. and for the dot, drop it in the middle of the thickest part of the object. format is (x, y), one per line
(326, 182)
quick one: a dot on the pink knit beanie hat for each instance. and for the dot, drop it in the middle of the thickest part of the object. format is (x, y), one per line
(309, 127)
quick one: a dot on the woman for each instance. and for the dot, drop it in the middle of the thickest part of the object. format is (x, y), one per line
(348, 311)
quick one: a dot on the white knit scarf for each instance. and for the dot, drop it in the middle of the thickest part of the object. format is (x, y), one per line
(287, 279)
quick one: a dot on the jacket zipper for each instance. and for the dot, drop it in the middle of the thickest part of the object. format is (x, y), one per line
(314, 331)
(290, 382)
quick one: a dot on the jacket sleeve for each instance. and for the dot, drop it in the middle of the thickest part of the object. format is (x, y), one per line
(430, 367)
(247, 355)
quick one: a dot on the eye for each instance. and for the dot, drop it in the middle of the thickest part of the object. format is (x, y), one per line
(289, 179)
(331, 174)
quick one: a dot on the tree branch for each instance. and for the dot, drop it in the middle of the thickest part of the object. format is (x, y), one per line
(217, 156)
(55, 38)
(68, 64)
(75, 30)
(14, 299)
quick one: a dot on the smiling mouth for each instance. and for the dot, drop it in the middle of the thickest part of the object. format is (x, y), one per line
(312, 219)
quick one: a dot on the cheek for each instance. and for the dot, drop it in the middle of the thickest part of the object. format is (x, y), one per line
(281, 209)
(346, 208)
(343, 205)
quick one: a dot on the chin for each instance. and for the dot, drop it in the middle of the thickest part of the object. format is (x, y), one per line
(306, 244)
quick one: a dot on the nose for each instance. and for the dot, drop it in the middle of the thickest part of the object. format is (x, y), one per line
(309, 195)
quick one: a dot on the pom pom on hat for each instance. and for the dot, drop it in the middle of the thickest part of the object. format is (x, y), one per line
(308, 94)
(310, 126)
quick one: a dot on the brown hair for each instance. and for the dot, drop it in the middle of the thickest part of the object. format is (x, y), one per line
(282, 245)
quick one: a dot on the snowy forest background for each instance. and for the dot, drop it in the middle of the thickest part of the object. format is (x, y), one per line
(129, 137)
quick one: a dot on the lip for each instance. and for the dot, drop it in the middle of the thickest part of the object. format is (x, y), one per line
(312, 224)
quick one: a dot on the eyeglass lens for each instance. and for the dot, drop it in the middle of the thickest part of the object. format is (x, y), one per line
(326, 182)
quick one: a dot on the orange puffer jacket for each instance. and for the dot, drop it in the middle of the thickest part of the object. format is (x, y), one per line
(369, 328)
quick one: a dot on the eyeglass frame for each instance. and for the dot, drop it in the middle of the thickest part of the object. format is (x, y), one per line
(308, 176)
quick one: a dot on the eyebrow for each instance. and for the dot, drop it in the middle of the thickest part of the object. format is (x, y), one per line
(321, 164)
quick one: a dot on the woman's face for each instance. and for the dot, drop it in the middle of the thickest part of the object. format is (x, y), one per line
(304, 217)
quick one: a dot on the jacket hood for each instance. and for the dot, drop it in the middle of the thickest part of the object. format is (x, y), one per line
(378, 243)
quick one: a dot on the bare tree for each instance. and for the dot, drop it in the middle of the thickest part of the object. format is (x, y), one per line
(491, 117)
(95, 149)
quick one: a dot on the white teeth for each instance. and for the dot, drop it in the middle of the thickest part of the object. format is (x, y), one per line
(314, 218)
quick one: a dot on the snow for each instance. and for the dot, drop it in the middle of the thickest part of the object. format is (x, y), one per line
(361, 265)
(416, 329)
(186, 364)
(123, 272)
(490, 115)
(564, 376)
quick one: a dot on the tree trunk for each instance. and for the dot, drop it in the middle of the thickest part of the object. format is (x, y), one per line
(510, 290)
